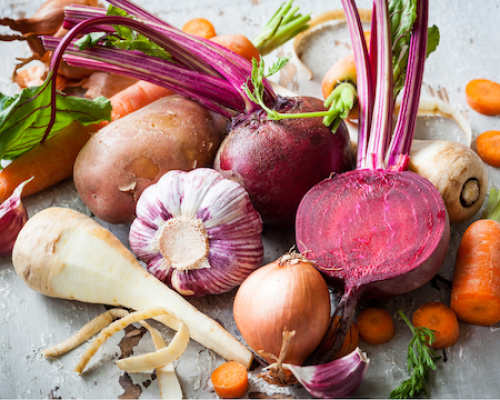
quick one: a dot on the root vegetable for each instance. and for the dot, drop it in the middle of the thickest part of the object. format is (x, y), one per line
(62, 253)
(488, 147)
(483, 96)
(475, 294)
(230, 380)
(379, 230)
(439, 318)
(351, 341)
(200, 27)
(288, 295)
(375, 326)
(130, 154)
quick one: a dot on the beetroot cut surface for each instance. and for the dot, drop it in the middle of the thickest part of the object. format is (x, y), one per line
(379, 233)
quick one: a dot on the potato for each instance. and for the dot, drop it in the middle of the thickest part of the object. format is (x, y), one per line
(128, 155)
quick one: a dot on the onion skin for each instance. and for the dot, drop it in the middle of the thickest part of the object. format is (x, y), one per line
(277, 162)
(286, 294)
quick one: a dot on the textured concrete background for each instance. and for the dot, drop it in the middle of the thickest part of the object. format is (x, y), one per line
(30, 322)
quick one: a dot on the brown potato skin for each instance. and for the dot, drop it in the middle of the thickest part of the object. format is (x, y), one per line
(130, 154)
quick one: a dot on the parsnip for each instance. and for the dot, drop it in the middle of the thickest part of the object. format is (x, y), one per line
(63, 253)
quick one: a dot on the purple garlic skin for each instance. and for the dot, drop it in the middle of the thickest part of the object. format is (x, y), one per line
(197, 232)
(337, 379)
(13, 216)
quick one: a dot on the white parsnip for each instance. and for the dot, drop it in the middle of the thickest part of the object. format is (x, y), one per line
(63, 253)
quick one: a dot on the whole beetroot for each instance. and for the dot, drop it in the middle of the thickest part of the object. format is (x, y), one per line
(277, 162)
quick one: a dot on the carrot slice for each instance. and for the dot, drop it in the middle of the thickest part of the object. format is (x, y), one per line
(483, 96)
(350, 343)
(375, 326)
(488, 147)
(475, 294)
(239, 44)
(441, 319)
(230, 380)
(200, 27)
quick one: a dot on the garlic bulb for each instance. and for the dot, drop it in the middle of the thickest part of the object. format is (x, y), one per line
(197, 232)
(337, 379)
(13, 216)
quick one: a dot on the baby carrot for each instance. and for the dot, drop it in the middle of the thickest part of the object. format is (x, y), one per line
(483, 96)
(350, 343)
(441, 319)
(200, 27)
(488, 147)
(475, 294)
(375, 326)
(239, 44)
(230, 380)
(52, 161)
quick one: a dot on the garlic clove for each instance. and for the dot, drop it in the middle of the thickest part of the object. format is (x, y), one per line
(197, 232)
(13, 216)
(334, 380)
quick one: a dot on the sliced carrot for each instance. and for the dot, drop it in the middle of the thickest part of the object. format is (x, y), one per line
(200, 27)
(52, 161)
(349, 344)
(375, 326)
(239, 44)
(441, 319)
(230, 380)
(475, 294)
(483, 96)
(488, 147)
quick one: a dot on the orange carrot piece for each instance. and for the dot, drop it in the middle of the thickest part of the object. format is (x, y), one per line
(200, 27)
(52, 162)
(483, 96)
(441, 319)
(350, 343)
(488, 147)
(49, 163)
(239, 44)
(375, 326)
(475, 294)
(230, 380)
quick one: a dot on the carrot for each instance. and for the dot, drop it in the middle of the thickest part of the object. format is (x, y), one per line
(475, 294)
(239, 44)
(49, 163)
(52, 161)
(441, 319)
(350, 343)
(200, 27)
(488, 147)
(375, 326)
(483, 96)
(230, 380)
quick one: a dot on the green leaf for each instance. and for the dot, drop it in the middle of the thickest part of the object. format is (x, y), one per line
(25, 116)
(89, 40)
(433, 38)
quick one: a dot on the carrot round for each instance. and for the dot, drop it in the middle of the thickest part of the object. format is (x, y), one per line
(475, 294)
(230, 380)
(441, 319)
(239, 44)
(350, 343)
(52, 161)
(200, 27)
(483, 96)
(375, 326)
(488, 147)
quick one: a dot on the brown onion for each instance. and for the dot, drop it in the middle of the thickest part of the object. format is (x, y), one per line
(286, 295)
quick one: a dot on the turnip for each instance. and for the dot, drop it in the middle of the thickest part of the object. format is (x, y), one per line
(63, 253)
(294, 155)
(379, 230)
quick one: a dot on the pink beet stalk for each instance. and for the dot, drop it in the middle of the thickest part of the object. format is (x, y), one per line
(380, 230)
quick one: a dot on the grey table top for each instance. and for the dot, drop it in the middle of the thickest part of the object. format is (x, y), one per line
(30, 322)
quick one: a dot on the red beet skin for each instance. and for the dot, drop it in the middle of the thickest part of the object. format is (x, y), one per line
(277, 162)
(378, 233)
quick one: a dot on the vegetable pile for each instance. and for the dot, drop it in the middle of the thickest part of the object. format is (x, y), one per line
(204, 101)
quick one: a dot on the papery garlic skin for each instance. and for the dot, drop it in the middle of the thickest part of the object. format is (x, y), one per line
(197, 232)
(13, 216)
(337, 379)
